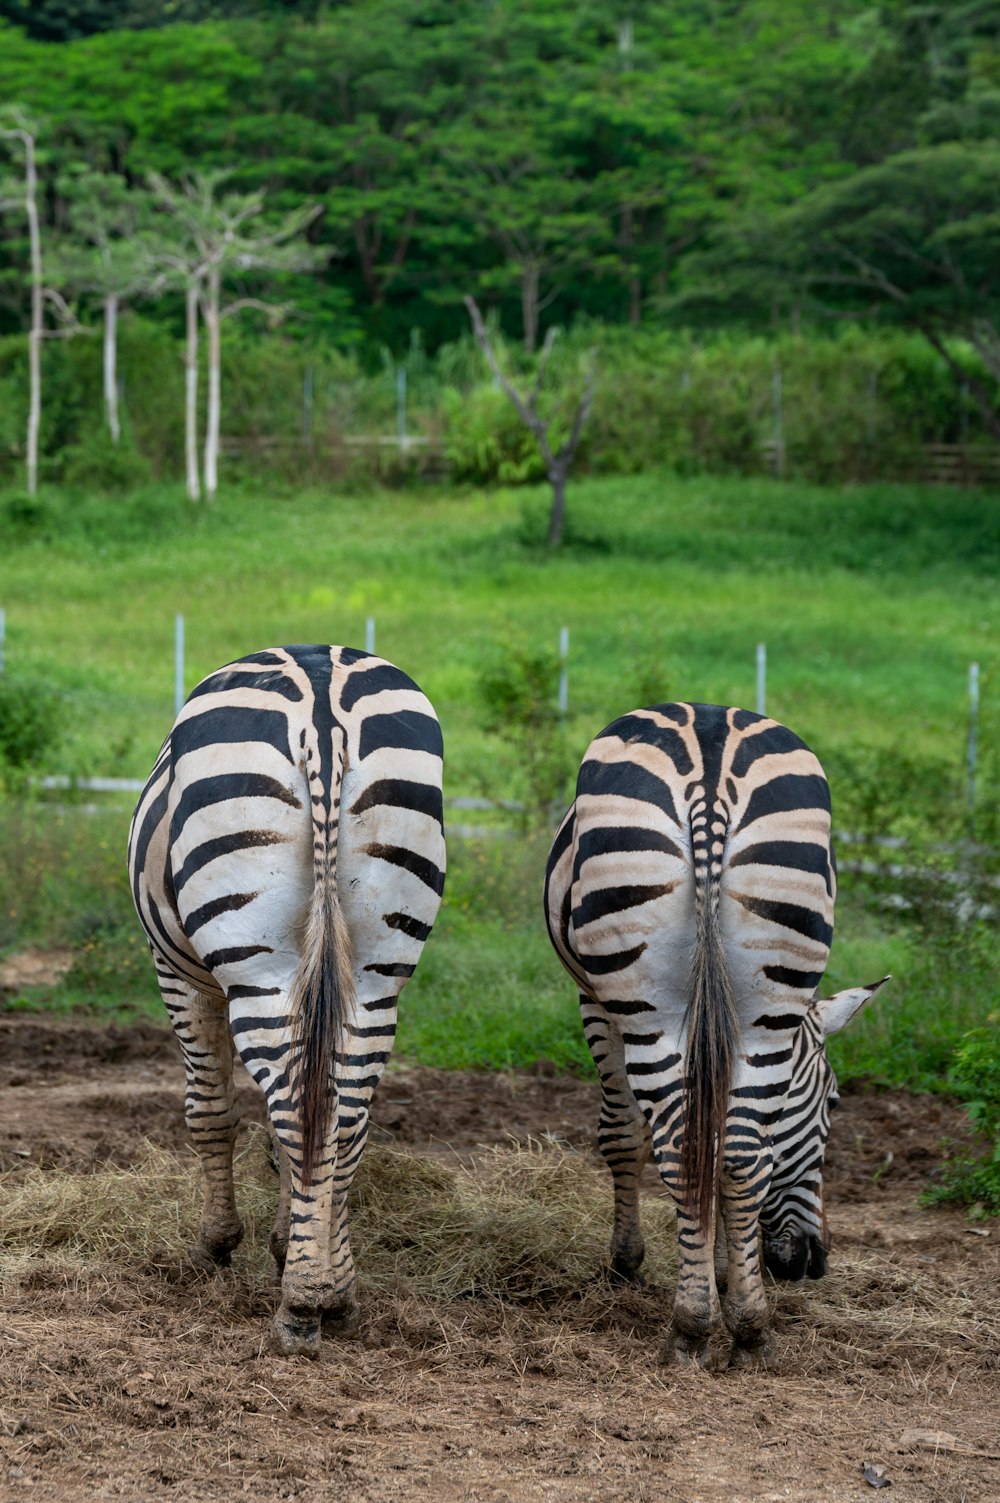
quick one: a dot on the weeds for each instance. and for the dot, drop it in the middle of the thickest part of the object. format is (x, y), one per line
(974, 1179)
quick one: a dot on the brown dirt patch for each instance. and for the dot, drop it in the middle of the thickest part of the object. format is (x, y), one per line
(128, 1385)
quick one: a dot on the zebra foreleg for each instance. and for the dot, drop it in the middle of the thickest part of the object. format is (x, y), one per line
(623, 1139)
(213, 1119)
(278, 1240)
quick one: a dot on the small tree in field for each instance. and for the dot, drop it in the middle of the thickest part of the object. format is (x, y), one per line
(558, 462)
(221, 236)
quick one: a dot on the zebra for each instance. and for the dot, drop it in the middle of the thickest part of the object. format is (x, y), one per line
(689, 892)
(287, 861)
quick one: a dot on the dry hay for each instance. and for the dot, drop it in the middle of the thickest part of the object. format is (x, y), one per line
(528, 1222)
(520, 1227)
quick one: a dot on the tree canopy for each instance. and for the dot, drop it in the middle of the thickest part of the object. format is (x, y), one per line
(621, 161)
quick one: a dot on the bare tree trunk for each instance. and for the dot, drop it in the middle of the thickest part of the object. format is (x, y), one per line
(557, 479)
(111, 365)
(212, 322)
(37, 311)
(529, 305)
(191, 392)
(559, 463)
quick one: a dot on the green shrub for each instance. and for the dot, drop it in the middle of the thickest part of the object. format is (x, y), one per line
(518, 691)
(974, 1179)
(98, 464)
(30, 726)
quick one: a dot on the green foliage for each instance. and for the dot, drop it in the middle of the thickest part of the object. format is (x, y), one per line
(967, 1179)
(942, 985)
(567, 159)
(97, 464)
(517, 690)
(31, 724)
(486, 440)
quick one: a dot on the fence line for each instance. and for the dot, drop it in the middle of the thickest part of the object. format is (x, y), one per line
(470, 804)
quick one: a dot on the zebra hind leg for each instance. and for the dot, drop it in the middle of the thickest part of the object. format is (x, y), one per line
(343, 1317)
(745, 1180)
(213, 1118)
(623, 1139)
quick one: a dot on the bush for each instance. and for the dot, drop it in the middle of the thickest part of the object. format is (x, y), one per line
(970, 1179)
(518, 695)
(30, 726)
(100, 465)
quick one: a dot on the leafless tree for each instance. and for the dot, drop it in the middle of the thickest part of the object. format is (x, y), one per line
(15, 127)
(217, 241)
(558, 462)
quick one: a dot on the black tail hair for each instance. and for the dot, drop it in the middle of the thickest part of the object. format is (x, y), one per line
(713, 1039)
(323, 992)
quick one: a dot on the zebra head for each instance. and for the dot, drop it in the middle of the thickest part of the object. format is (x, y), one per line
(794, 1237)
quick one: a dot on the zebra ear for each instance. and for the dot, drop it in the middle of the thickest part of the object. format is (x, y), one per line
(837, 1011)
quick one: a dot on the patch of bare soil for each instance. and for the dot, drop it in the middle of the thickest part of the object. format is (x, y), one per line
(34, 968)
(123, 1384)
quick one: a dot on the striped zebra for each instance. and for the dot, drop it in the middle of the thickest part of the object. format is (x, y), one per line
(689, 893)
(287, 861)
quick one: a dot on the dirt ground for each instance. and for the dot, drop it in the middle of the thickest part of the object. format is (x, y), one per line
(146, 1387)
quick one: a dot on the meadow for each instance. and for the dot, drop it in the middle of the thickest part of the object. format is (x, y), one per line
(872, 602)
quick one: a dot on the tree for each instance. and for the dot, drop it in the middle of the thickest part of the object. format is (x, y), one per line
(219, 239)
(558, 461)
(15, 127)
(116, 256)
(914, 241)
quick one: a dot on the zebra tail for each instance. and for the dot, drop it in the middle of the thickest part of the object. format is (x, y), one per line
(713, 1040)
(322, 997)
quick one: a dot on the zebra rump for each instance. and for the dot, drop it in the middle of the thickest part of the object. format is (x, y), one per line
(287, 863)
(690, 894)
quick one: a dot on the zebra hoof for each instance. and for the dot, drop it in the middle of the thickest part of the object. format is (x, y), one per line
(204, 1259)
(295, 1335)
(342, 1320)
(625, 1276)
(687, 1351)
(754, 1353)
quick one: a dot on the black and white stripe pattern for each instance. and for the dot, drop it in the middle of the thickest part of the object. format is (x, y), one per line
(287, 862)
(690, 893)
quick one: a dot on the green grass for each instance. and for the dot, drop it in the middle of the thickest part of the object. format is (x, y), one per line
(872, 602)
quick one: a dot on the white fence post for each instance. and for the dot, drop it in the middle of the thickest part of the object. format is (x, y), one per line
(178, 663)
(761, 678)
(973, 733)
(370, 634)
(563, 670)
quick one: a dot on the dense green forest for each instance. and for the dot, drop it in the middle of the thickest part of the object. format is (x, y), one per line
(628, 161)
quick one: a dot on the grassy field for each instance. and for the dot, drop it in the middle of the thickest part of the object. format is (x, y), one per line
(872, 602)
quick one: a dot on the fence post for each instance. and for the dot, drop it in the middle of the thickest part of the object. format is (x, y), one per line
(178, 663)
(370, 634)
(3, 638)
(563, 670)
(973, 748)
(761, 678)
